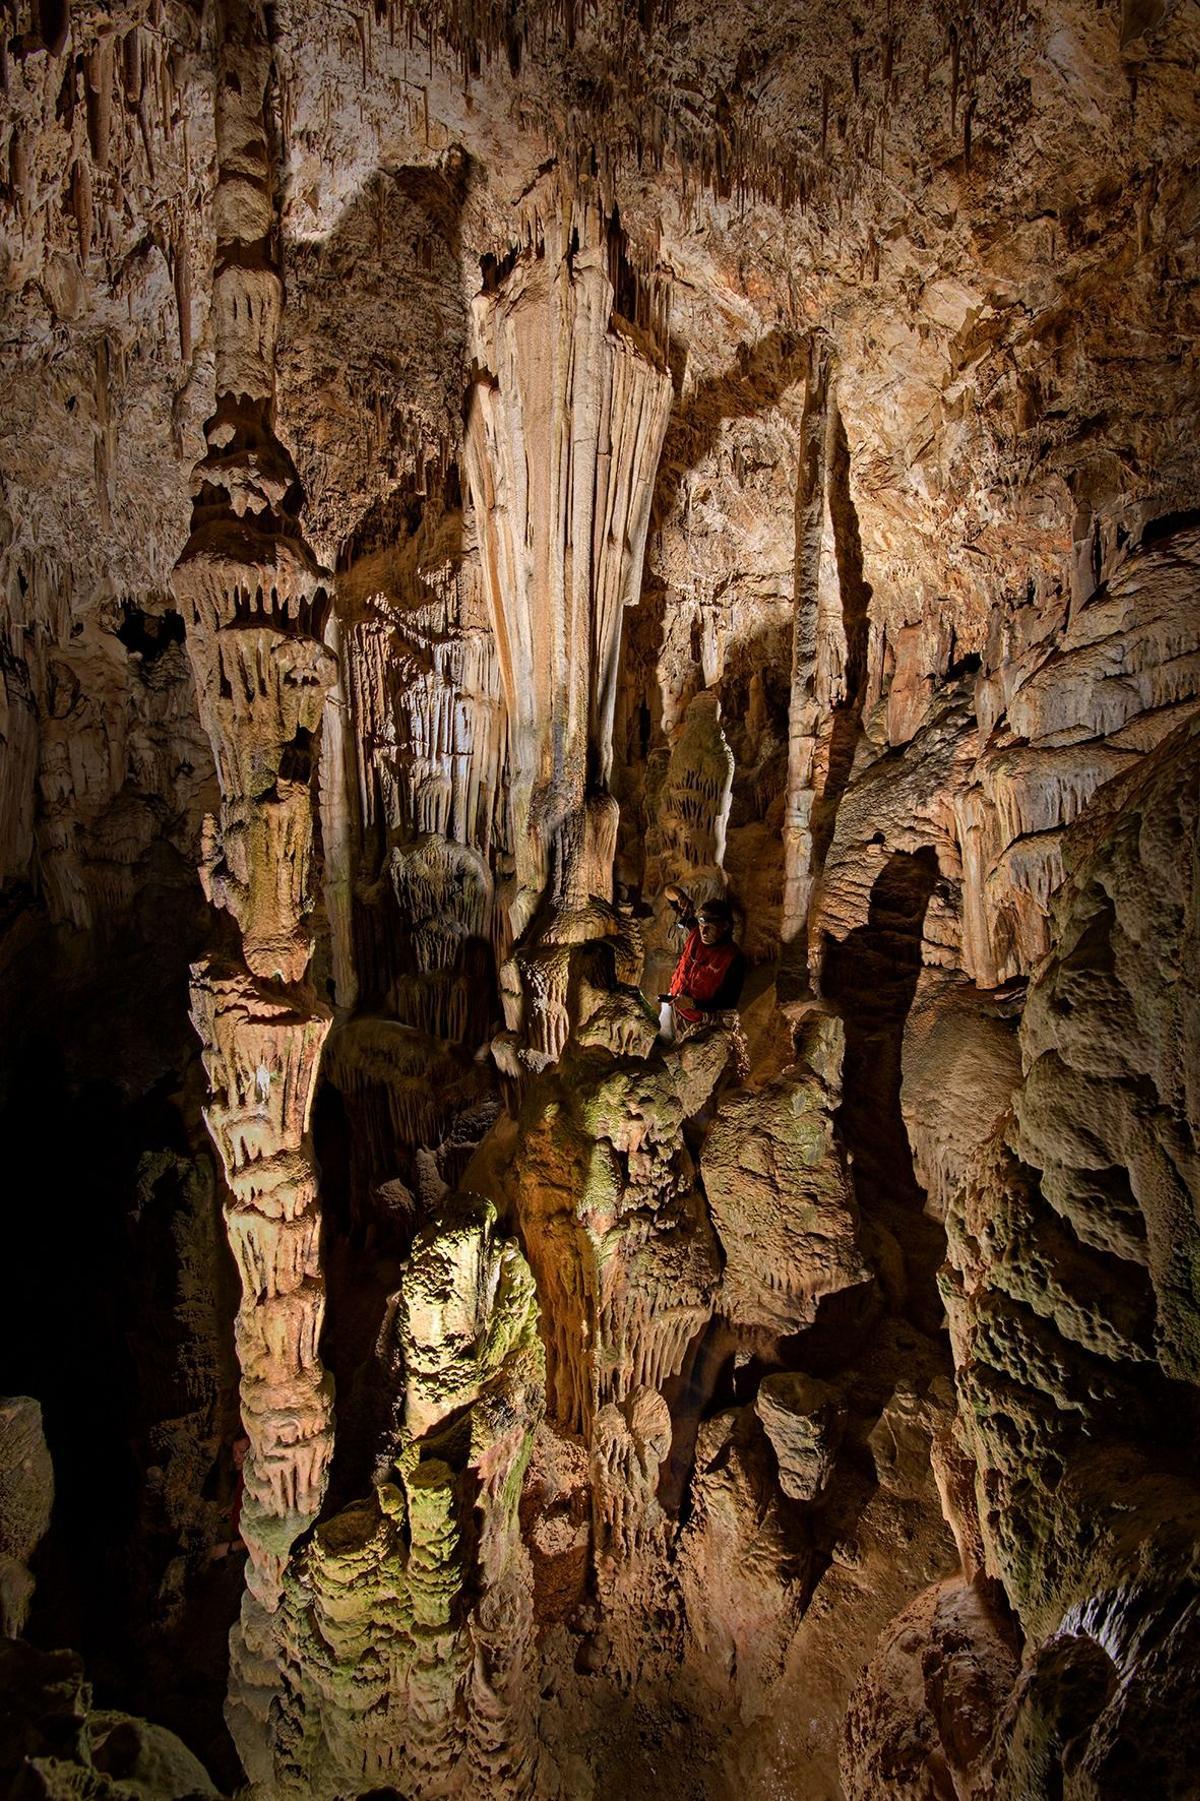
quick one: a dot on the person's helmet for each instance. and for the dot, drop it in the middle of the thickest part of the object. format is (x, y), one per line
(717, 910)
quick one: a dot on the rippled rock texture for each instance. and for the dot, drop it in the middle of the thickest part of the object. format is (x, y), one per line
(467, 470)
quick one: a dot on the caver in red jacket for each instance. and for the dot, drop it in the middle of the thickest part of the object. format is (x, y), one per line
(712, 974)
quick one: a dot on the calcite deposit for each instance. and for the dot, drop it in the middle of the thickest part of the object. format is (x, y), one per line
(477, 483)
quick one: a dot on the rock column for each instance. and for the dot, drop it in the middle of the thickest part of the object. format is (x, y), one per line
(254, 604)
(828, 660)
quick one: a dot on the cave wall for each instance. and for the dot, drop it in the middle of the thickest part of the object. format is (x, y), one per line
(464, 471)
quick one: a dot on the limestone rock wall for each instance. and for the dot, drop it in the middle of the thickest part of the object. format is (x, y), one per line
(465, 469)
(1105, 1186)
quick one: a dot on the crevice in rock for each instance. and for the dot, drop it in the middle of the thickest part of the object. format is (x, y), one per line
(871, 975)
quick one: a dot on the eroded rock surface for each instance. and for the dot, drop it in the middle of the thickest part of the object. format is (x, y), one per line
(26, 1500)
(55, 1744)
(464, 469)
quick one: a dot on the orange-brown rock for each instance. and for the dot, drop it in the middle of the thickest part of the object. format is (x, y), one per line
(463, 469)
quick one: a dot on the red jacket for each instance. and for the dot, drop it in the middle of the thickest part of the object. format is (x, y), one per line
(711, 973)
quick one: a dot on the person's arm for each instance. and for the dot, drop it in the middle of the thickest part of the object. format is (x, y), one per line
(730, 991)
(681, 900)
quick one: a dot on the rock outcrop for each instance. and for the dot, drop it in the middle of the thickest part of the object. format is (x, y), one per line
(26, 1500)
(1072, 1316)
(55, 1743)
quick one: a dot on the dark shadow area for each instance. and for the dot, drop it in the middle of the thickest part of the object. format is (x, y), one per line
(118, 1314)
(872, 975)
(757, 380)
(703, 1386)
(149, 634)
(855, 591)
(359, 1277)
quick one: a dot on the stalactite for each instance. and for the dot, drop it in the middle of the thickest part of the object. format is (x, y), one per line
(131, 67)
(81, 199)
(18, 173)
(98, 73)
(563, 531)
(182, 272)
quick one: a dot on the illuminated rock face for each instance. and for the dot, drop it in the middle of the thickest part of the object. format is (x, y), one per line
(604, 1193)
(1071, 1340)
(466, 469)
(781, 1205)
(392, 1673)
(26, 1499)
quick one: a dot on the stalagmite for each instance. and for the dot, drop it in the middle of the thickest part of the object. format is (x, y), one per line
(261, 1055)
(388, 1671)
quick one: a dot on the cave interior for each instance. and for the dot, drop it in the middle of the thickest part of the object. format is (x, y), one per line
(481, 480)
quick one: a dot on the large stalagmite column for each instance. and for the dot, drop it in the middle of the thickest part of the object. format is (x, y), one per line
(254, 603)
(564, 435)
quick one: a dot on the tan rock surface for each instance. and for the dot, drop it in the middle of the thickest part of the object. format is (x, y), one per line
(802, 1418)
(781, 1204)
(922, 1720)
(462, 469)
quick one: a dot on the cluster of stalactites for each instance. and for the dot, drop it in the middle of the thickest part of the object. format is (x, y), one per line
(563, 439)
(639, 109)
(261, 692)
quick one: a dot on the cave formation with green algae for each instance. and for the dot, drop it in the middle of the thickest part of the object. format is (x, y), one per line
(469, 472)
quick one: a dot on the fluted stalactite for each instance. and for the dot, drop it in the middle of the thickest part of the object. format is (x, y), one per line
(564, 433)
(829, 658)
(254, 605)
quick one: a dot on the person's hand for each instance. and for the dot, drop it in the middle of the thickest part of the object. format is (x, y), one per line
(672, 893)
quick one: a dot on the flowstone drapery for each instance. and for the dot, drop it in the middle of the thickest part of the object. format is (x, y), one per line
(565, 427)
